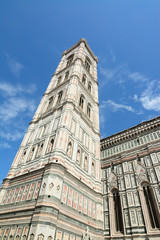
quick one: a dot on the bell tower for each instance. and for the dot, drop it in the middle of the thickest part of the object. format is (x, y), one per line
(53, 189)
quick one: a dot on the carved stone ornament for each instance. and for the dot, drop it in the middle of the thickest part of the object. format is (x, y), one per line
(51, 185)
(58, 187)
(113, 184)
(43, 187)
(142, 177)
(112, 180)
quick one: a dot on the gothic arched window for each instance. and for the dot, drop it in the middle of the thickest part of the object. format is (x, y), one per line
(66, 75)
(50, 103)
(24, 237)
(86, 163)
(31, 153)
(39, 151)
(69, 149)
(117, 211)
(49, 238)
(59, 80)
(87, 64)
(152, 208)
(89, 110)
(70, 60)
(32, 236)
(59, 97)
(78, 160)
(50, 146)
(84, 79)
(10, 237)
(40, 237)
(22, 157)
(93, 168)
(89, 87)
(81, 101)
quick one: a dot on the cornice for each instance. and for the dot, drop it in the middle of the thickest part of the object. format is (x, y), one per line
(130, 133)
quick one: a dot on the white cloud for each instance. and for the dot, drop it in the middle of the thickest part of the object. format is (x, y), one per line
(4, 145)
(13, 106)
(108, 73)
(137, 77)
(150, 97)
(122, 74)
(11, 90)
(117, 74)
(116, 106)
(12, 135)
(135, 98)
(14, 65)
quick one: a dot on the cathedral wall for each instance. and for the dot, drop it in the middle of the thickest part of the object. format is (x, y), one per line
(131, 167)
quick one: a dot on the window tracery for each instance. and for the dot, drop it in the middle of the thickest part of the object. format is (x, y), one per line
(69, 149)
(86, 163)
(50, 146)
(81, 101)
(89, 87)
(84, 79)
(87, 64)
(78, 160)
(89, 110)
(31, 154)
(22, 157)
(59, 97)
(59, 80)
(117, 211)
(39, 151)
(50, 103)
(66, 75)
(70, 60)
(151, 204)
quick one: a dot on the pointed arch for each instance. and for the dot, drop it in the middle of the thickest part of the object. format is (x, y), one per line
(84, 79)
(89, 110)
(152, 208)
(70, 60)
(89, 87)
(66, 76)
(87, 64)
(81, 101)
(59, 97)
(117, 211)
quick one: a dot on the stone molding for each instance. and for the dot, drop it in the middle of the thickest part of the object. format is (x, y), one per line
(130, 133)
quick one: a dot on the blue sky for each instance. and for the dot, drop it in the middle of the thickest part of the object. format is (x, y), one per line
(124, 35)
